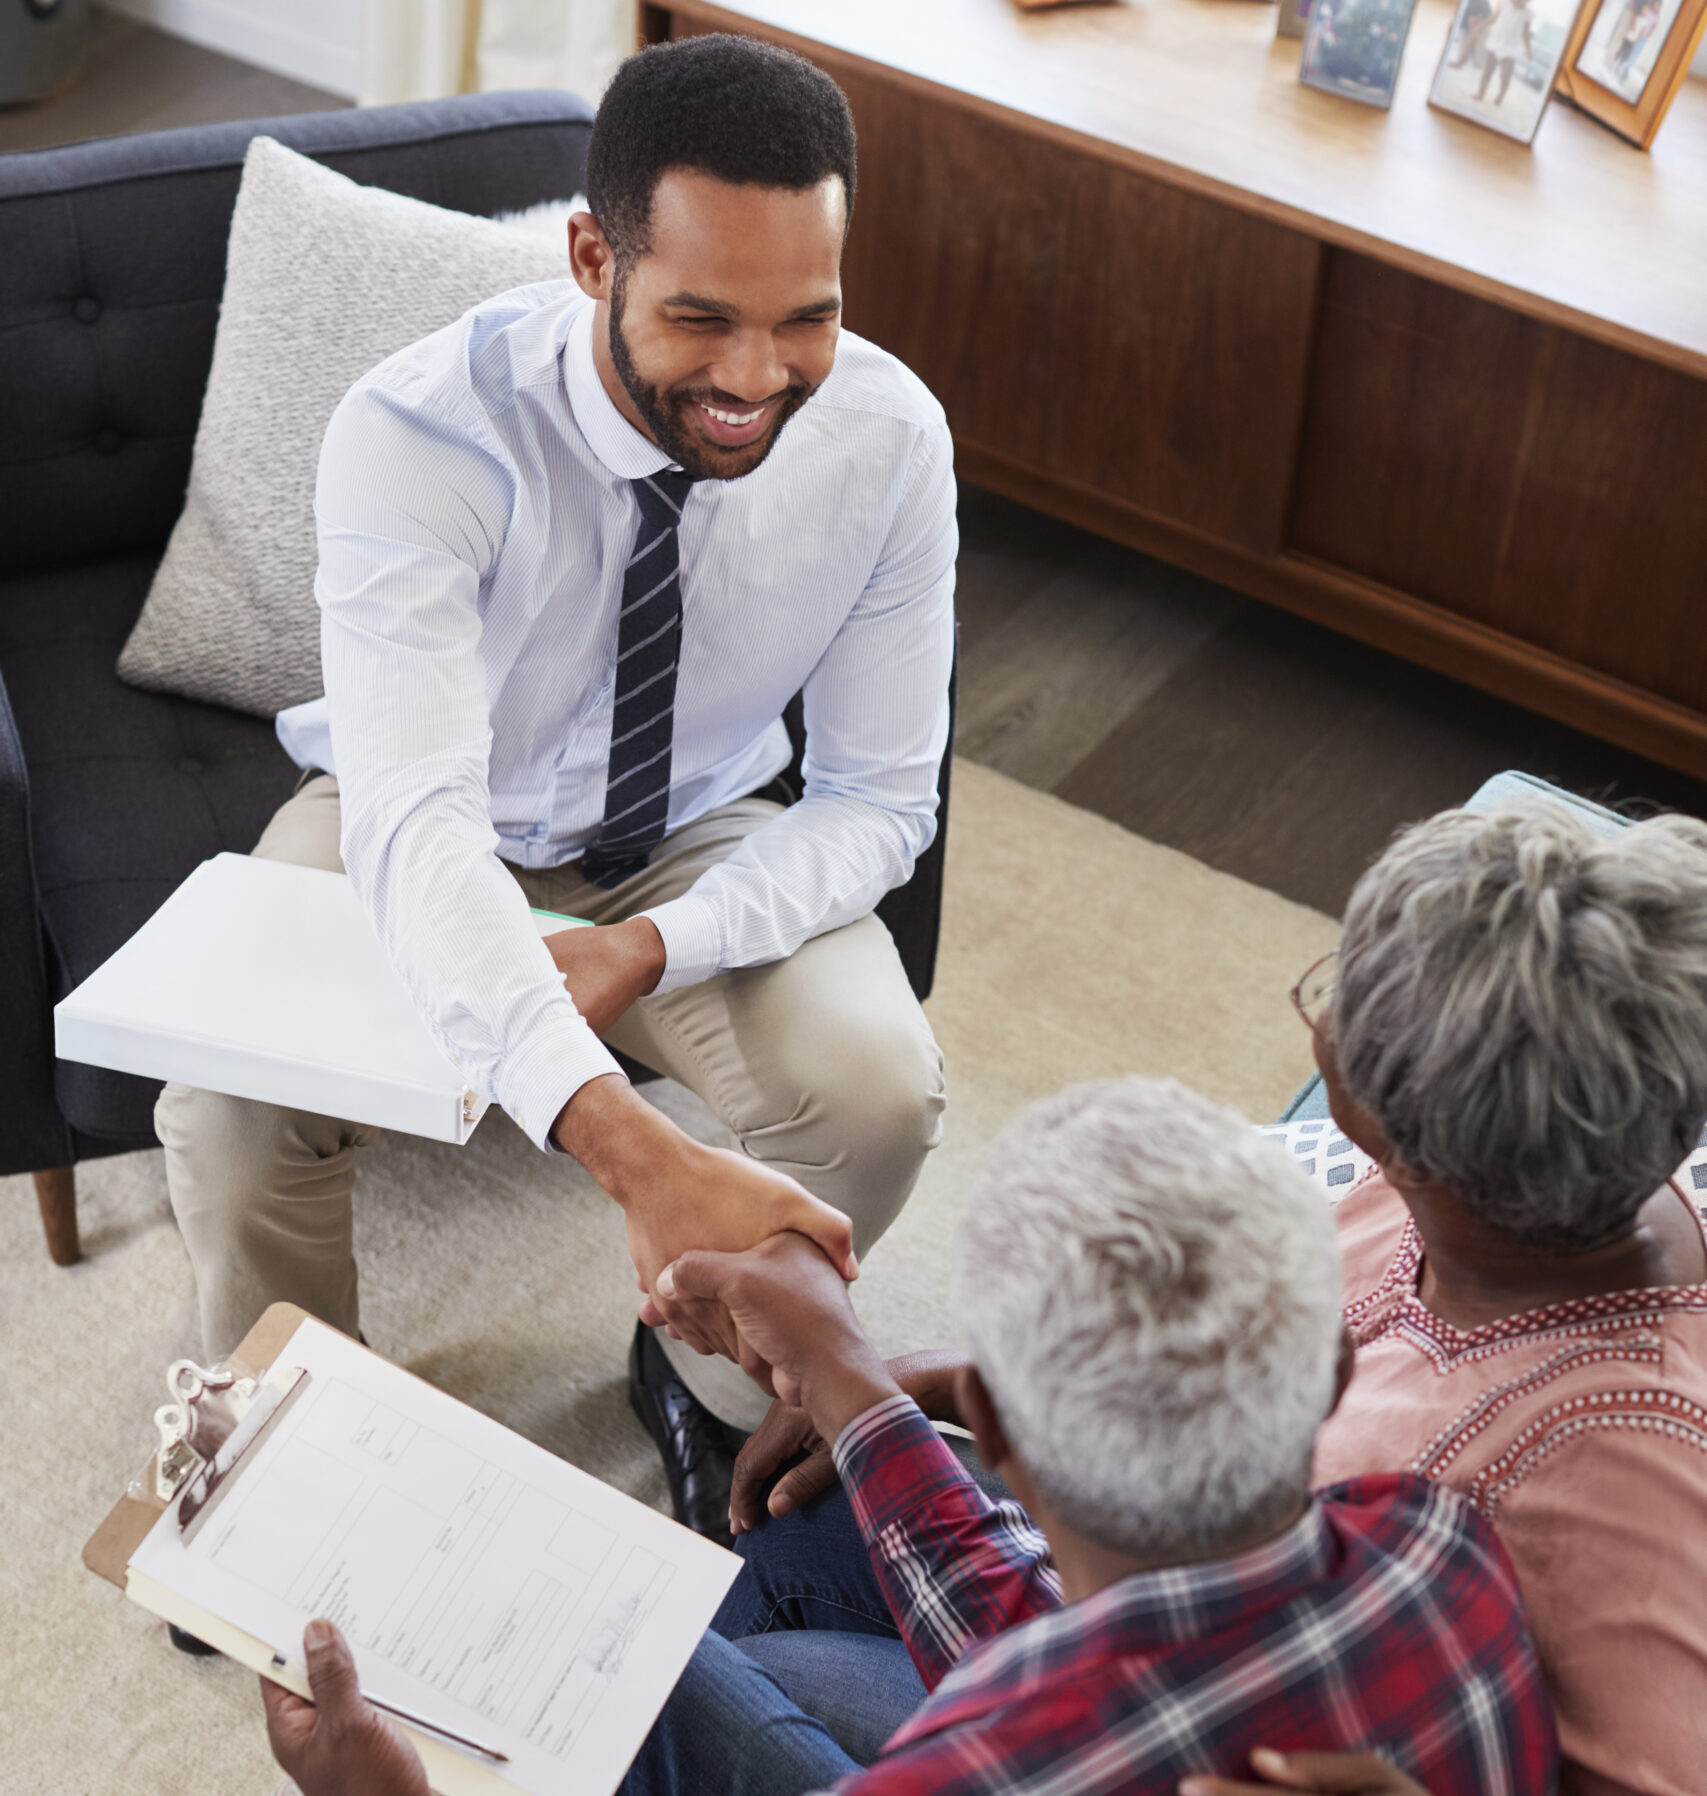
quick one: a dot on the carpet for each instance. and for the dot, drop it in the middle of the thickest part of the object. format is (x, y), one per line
(1071, 950)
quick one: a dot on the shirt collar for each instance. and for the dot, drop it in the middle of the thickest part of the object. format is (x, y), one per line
(610, 436)
(1187, 1602)
(1144, 1614)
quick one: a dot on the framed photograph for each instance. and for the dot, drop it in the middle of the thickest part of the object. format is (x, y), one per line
(1626, 60)
(1353, 47)
(1500, 61)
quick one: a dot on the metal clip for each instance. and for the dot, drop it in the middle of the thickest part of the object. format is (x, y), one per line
(209, 1482)
(206, 1406)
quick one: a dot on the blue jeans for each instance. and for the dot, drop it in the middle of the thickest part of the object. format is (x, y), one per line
(802, 1678)
(810, 1570)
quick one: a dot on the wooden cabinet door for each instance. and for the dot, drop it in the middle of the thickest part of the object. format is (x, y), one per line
(1512, 473)
(1077, 318)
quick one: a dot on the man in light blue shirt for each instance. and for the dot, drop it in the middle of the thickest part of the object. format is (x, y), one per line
(577, 551)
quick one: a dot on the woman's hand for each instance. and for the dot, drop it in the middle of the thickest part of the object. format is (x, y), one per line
(1315, 1773)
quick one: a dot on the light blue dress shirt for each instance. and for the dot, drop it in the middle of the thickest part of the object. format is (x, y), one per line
(475, 516)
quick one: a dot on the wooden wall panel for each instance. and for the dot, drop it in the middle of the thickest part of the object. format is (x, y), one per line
(1513, 473)
(1111, 330)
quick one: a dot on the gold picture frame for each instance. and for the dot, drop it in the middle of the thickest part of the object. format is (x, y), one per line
(1624, 75)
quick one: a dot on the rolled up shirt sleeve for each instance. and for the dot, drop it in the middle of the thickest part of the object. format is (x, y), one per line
(411, 512)
(876, 726)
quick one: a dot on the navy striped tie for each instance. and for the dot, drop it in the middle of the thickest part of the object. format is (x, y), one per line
(643, 719)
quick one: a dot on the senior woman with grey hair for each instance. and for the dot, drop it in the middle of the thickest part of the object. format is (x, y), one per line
(1515, 1029)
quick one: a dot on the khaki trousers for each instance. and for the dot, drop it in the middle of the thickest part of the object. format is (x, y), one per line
(822, 1065)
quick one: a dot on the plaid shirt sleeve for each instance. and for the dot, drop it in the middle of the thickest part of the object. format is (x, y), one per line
(955, 1567)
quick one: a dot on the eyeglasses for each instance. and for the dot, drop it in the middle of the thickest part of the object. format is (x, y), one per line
(1312, 996)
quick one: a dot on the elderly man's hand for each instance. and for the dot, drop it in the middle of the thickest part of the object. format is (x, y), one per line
(928, 1377)
(796, 1326)
(339, 1744)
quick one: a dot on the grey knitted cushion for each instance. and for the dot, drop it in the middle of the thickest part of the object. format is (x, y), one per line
(324, 279)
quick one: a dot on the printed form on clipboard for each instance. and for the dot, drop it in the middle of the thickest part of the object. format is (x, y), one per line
(484, 1584)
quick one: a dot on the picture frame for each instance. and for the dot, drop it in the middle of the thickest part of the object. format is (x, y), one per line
(1626, 59)
(1501, 60)
(1354, 48)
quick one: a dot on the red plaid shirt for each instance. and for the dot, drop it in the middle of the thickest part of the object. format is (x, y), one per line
(1387, 1618)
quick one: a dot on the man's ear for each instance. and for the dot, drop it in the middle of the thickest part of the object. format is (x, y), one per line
(1344, 1366)
(978, 1412)
(592, 261)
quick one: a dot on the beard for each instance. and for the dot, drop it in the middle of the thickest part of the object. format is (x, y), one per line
(668, 411)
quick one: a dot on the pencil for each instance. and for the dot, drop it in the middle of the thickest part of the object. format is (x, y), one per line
(421, 1721)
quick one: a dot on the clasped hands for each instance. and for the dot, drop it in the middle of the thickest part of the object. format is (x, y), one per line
(677, 1193)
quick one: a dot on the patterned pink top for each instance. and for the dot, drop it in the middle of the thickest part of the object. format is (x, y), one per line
(1580, 1431)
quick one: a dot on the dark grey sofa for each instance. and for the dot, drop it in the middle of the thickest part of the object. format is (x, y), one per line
(112, 261)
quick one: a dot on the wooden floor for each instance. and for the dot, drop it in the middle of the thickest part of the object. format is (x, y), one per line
(136, 79)
(1266, 746)
(1262, 745)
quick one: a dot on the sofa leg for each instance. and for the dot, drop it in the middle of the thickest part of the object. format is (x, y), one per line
(56, 1192)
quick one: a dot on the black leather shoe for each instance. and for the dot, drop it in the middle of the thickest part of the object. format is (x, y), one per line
(188, 1643)
(697, 1449)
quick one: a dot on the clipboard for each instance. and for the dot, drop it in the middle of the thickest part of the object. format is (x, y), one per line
(110, 1549)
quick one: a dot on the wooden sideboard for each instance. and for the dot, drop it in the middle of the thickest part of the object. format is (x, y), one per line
(1388, 370)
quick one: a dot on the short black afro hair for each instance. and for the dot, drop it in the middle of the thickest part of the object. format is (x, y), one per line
(731, 107)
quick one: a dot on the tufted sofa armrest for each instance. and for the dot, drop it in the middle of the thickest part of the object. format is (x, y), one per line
(34, 1135)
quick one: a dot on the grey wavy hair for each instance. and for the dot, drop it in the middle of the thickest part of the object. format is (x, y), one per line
(1151, 1293)
(1521, 1003)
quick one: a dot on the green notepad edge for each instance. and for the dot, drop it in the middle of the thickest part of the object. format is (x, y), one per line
(557, 916)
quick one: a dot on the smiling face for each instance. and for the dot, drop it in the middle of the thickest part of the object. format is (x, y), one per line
(725, 324)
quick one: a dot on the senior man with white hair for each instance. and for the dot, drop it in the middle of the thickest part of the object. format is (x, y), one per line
(1150, 1294)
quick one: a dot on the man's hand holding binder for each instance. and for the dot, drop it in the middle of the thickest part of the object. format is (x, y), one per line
(679, 1194)
(608, 966)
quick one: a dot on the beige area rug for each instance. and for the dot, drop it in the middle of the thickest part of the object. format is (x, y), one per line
(1071, 950)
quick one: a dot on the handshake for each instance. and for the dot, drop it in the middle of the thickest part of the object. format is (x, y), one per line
(781, 1310)
(692, 1211)
(737, 1259)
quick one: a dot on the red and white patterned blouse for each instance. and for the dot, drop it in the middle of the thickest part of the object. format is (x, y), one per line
(1580, 1431)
